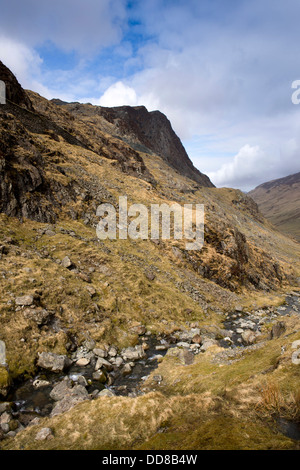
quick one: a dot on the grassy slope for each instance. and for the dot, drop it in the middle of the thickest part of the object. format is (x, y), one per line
(190, 407)
(281, 205)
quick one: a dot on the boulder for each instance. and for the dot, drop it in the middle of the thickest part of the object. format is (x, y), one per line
(133, 354)
(100, 352)
(61, 390)
(101, 362)
(43, 434)
(52, 362)
(126, 369)
(73, 396)
(248, 337)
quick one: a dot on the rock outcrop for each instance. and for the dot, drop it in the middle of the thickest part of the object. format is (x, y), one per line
(145, 131)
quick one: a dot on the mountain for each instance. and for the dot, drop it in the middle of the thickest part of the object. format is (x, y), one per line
(135, 343)
(148, 132)
(279, 201)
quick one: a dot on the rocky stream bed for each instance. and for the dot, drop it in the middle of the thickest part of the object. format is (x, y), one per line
(90, 372)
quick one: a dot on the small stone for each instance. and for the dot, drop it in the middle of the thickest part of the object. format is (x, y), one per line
(91, 291)
(61, 390)
(118, 361)
(83, 362)
(126, 369)
(158, 378)
(296, 344)
(5, 406)
(106, 393)
(112, 351)
(43, 434)
(35, 421)
(25, 300)
(101, 362)
(161, 347)
(5, 418)
(66, 262)
(248, 337)
(82, 381)
(133, 354)
(40, 383)
(150, 275)
(197, 339)
(208, 343)
(99, 376)
(100, 352)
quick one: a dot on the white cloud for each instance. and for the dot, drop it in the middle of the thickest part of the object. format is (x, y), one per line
(22, 60)
(119, 94)
(83, 26)
(249, 164)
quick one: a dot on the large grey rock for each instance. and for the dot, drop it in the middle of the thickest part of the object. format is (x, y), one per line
(67, 396)
(101, 362)
(2, 353)
(61, 390)
(53, 362)
(43, 434)
(100, 352)
(208, 343)
(133, 354)
(67, 403)
(249, 337)
(5, 406)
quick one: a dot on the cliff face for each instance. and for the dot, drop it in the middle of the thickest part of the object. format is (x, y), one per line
(149, 132)
(279, 201)
(14, 91)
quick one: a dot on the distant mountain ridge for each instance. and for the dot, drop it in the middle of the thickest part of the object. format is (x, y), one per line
(279, 201)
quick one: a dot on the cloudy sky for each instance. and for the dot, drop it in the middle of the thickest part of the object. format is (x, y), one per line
(221, 70)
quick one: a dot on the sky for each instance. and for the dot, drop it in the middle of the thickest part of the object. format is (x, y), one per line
(221, 70)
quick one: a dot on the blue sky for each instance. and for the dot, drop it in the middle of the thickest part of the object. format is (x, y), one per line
(220, 70)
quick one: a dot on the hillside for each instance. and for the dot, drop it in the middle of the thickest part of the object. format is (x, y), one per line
(136, 343)
(148, 132)
(279, 201)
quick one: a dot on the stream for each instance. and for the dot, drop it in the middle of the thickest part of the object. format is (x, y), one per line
(31, 399)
